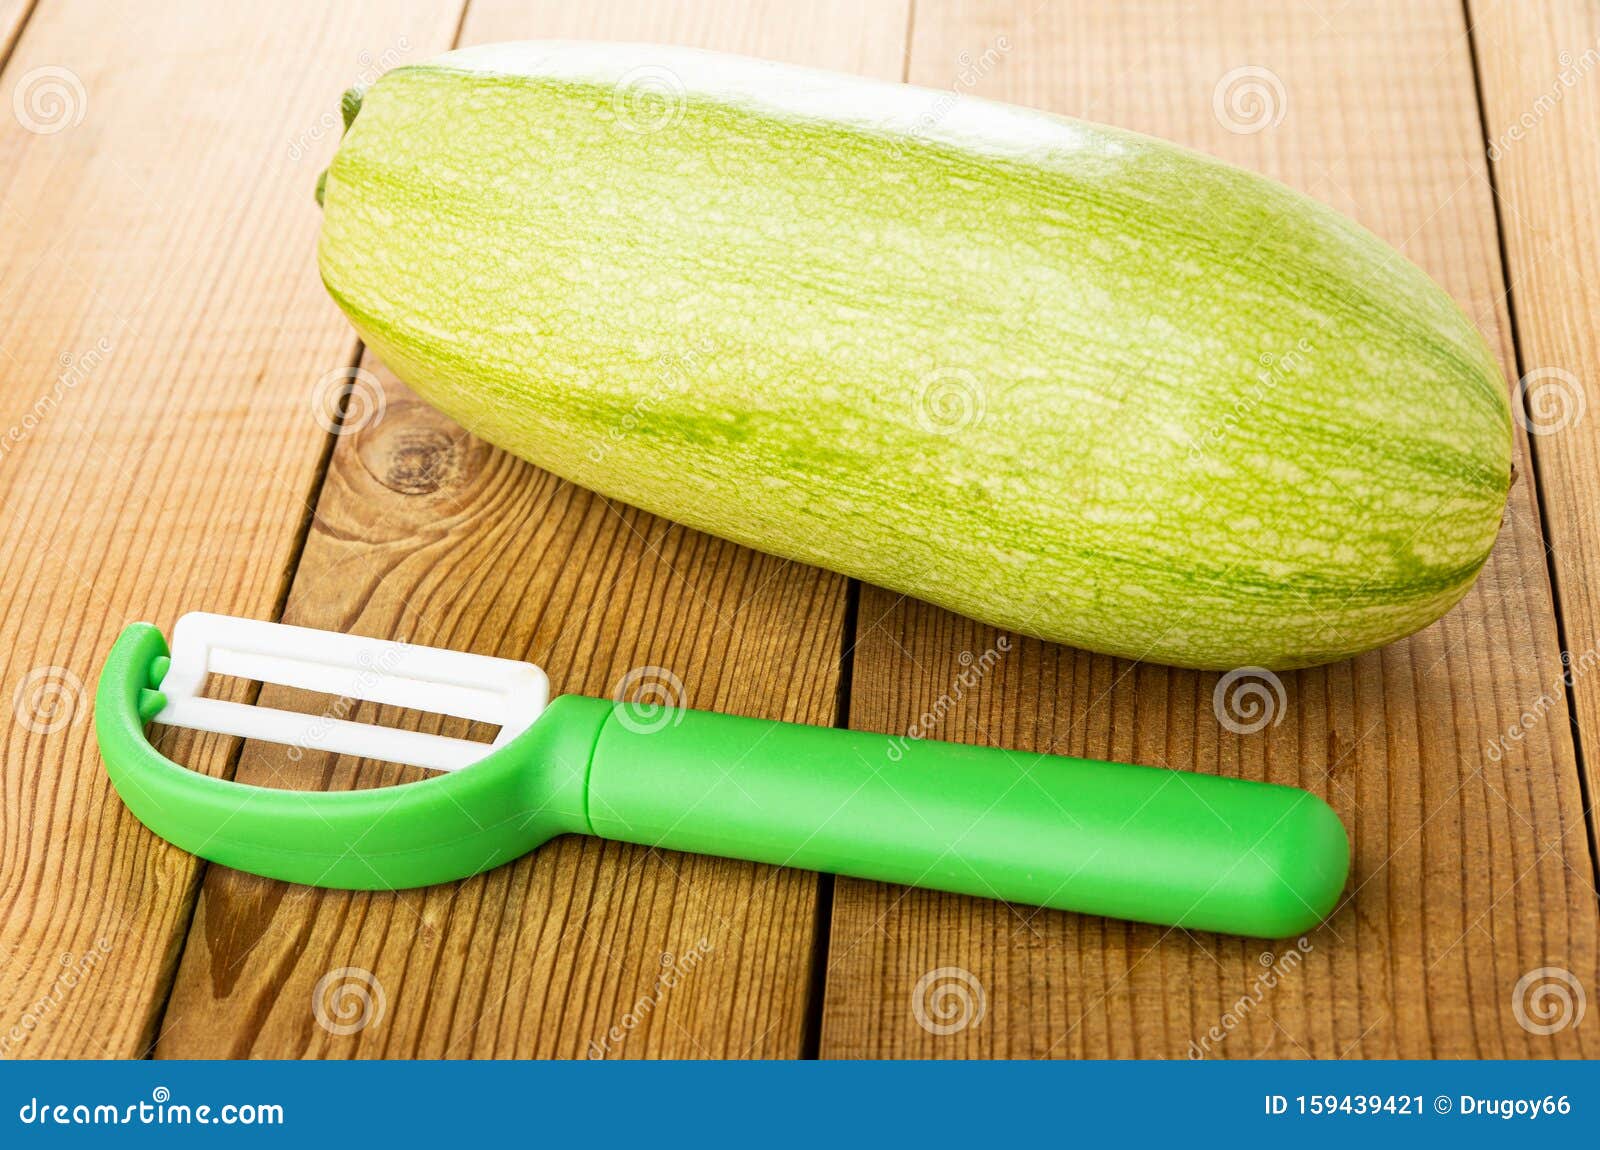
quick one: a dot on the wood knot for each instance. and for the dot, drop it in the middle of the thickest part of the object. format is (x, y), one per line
(416, 451)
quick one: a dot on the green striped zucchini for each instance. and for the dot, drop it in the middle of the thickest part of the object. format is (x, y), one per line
(1067, 380)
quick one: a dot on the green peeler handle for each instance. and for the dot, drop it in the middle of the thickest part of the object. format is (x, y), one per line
(1149, 844)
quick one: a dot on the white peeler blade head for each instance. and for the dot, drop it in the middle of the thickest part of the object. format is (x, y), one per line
(505, 692)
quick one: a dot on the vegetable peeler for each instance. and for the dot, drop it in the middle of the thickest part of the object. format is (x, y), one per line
(1149, 844)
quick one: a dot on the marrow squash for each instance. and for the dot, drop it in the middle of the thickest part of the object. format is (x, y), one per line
(1070, 381)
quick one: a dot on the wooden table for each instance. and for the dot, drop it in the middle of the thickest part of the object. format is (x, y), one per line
(168, 356)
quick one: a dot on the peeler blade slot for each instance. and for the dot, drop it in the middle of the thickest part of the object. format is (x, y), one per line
(468, 701)
(323, 733)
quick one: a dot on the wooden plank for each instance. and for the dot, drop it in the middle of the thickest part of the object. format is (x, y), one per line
(162, 331)
(1539, 67)
(1469, 872)
(13, 15)
(425, 533)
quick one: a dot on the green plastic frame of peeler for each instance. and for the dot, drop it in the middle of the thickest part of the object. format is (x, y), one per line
(1142, 843)
(445, 827)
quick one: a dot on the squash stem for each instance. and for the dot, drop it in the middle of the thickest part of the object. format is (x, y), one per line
(349, 109)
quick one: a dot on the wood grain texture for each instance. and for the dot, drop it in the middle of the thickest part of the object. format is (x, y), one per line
(422, 532)
(13, 15)
(161, 332)
(1470, 870)
(1539, 67)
